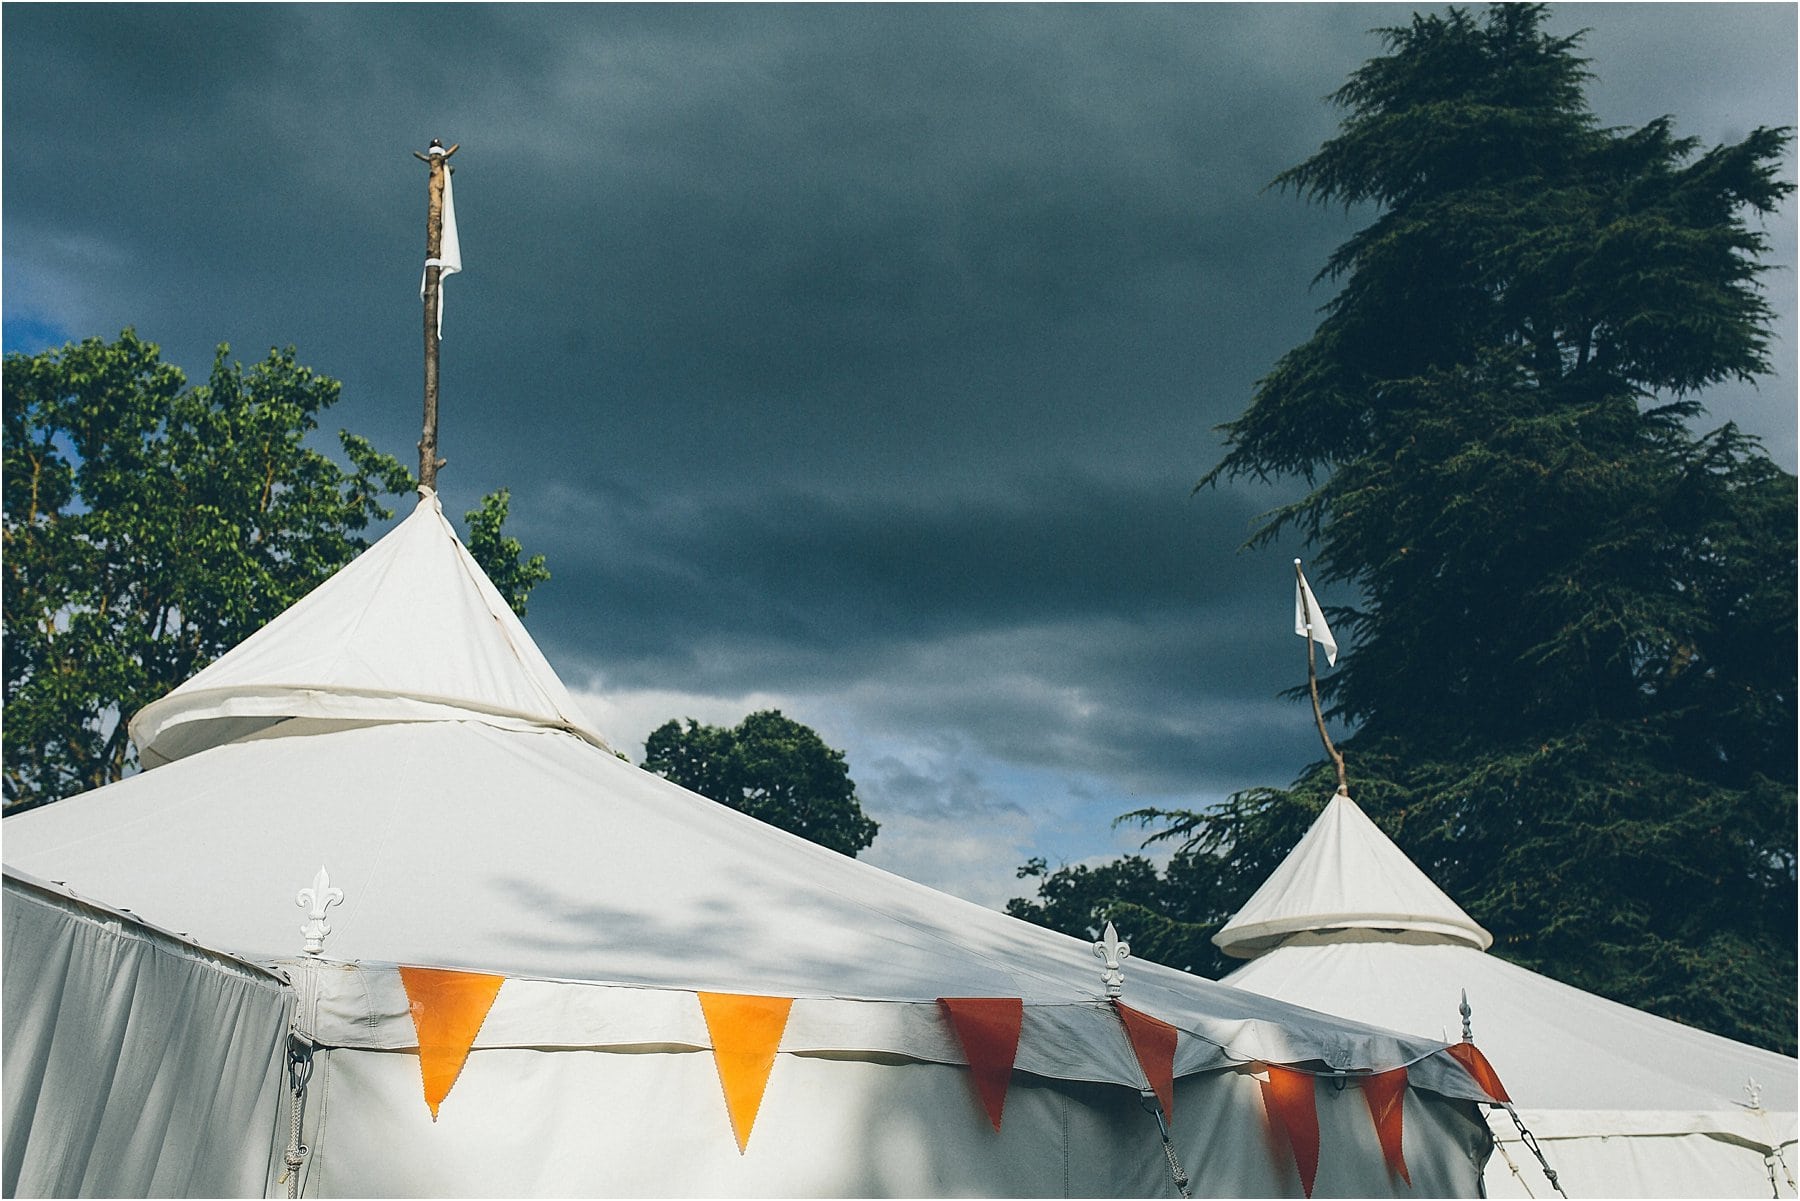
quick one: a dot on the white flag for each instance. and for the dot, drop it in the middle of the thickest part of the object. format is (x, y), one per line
(449, 260)
(1307, 612)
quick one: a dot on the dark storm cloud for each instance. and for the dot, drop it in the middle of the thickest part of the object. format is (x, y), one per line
(859, 358)
(1130, 596)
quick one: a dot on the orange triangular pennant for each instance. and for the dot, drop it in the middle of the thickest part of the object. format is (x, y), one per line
(1470, 1056)
(746, 1032)
(1153, 1042)
(1293, 1111)
(988, 1028)
(447, 1011)
(1386, 1095)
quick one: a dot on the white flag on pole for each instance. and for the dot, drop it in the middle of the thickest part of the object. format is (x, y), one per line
(1308, 614)
(449, 260)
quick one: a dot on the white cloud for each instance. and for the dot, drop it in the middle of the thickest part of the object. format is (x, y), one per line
(626, 717)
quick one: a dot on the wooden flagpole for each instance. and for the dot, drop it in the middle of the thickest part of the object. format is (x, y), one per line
(437, 159)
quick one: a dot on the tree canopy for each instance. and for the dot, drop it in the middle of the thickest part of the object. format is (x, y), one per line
(771, 767)
(1572, 687)
(149, 526)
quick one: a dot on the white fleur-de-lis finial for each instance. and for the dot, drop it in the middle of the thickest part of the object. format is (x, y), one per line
(1110, 951)
(315, 900)
(1754, 1090)
(1467, 1015)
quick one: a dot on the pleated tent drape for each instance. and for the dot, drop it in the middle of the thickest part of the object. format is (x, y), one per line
(136, 1064)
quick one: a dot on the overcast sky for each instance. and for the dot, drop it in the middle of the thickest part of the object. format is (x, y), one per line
(856, 361)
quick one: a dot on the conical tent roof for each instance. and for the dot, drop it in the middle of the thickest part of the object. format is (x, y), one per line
(410, 630)
(1627, 1103)
(1346, 874)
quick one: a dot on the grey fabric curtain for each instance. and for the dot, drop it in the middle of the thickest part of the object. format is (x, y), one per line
(135, 1064)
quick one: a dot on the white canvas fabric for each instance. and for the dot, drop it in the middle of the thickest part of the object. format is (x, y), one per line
(1625, 1103)
(398, 728)
(1346, 874)
(831, 1128)
(540, 856)
(410, 630)
(137, 1064)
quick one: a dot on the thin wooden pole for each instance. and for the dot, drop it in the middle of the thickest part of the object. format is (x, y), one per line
(437, 159)
(1312, 683)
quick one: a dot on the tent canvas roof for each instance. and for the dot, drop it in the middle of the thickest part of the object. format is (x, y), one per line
(1346, 874)
(428, 757)
(1606, 1068)
(410, 629)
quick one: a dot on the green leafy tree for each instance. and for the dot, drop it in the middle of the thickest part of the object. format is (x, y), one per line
(149, 526)
(771, 767)
(1162, 913)
(1572, 688)
(500, 554)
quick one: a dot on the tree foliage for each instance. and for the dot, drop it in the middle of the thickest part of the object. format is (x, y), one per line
(500, 554)
(771, 767)
(1573, 680)
(1163, 912)
(149, 526)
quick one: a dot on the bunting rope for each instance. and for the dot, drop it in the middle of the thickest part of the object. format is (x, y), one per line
(299, 1073)
(448, 1009)
(1785, 1169)
(1774, 1185)
(1514, 1168)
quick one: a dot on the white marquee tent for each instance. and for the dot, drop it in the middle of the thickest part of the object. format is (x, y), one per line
(543, 971)
(1623, 1103)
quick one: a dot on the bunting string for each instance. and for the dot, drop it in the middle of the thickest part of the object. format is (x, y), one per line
(448, 1009)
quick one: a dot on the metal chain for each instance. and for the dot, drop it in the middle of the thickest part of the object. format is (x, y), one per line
(1531, 1144)
(1180, 1177)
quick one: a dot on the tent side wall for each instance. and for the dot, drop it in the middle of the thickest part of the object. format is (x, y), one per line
(1679, 1163)
(524, 1121)
(135, 1064)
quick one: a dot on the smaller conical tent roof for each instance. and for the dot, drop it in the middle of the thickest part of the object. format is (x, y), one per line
(1624, 1102)
(1346, 874)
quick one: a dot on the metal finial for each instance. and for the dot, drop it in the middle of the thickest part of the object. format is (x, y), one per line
(1110, 951)
(1467, 1013)
(315, 900)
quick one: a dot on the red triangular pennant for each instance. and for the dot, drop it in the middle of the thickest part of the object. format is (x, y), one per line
(447, 1011)
(1294, 1113)
(746, 1033)
(1470, 1056)
(988, 1029)
(1153, 1042)
(1386, 1095)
